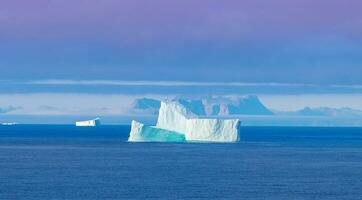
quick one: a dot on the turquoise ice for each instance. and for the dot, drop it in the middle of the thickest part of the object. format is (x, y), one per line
(143, 133)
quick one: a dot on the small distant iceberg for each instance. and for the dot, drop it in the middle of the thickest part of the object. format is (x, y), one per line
(9, 123)
(93, 122)
(178, 124)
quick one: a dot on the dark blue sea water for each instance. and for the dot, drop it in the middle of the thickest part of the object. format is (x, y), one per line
(67, 162)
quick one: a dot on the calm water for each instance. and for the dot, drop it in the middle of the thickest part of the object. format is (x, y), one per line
(66, 162)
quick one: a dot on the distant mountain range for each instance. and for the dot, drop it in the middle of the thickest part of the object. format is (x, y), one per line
(9, 109)
(246, 105)
(146, 105)
(211, 106)
(325, 111)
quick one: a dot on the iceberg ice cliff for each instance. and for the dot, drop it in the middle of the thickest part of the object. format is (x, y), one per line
(212, 130)
(93, 122)
(177, 124)
(173, 116)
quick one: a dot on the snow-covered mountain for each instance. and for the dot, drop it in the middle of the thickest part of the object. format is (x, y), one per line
(249, 105)
(209, 106)
(146, 106)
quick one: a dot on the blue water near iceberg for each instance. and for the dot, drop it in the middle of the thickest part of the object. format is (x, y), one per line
(67, 162)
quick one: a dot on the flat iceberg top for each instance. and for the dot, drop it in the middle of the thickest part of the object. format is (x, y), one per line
(93, 122)
(176, 123)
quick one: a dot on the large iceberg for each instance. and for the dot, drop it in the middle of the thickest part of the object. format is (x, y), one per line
(177, 124)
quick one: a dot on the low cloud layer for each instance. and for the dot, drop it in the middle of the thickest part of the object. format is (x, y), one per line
(158, 83)
(142, 87)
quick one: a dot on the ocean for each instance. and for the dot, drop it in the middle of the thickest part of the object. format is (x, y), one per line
(274, 163)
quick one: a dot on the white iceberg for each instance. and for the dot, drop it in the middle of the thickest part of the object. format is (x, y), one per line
(176, 124)
(212, 130)
(173, 116)
(93, 122)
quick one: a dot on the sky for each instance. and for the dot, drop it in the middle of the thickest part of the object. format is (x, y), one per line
(166, 47)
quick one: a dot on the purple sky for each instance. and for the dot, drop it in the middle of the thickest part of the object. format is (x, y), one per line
(305, 41)
(158, 20)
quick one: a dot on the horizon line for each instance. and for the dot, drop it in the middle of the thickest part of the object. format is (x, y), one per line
(179, 83)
